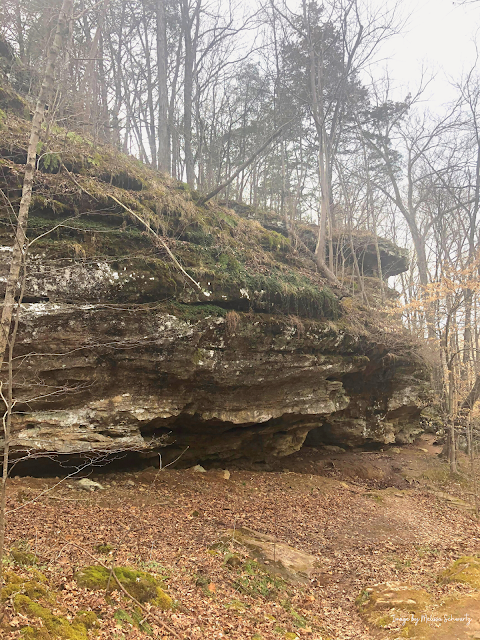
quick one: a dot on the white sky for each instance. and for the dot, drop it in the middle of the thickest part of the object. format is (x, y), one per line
(439, 34)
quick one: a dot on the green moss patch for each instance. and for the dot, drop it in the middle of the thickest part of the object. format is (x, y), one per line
(24, 558)
(104, 548)
(140, 585)
(57, 627)
(134, 618)
(255, 582)
(195, 312)
(32, 588)
(88, 619)
(465, 570)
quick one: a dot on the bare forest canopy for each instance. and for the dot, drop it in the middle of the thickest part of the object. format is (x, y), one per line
(272, 101)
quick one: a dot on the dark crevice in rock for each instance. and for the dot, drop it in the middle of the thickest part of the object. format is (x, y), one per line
(123, 180)
(78, 466)
(31, 299)
(17, 155)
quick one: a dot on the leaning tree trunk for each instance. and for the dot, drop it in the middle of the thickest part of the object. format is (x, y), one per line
(19, 246)
(7, 398)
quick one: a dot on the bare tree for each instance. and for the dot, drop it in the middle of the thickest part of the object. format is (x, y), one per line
(19, 246)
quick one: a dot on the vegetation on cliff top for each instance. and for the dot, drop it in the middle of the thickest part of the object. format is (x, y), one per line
(78, 187)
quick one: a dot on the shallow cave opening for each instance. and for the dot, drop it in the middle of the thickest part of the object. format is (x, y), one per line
(75, 466)
(187, 440)
(31, 298)
(214, 443)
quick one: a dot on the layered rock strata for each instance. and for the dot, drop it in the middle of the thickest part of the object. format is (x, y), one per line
(90, 377)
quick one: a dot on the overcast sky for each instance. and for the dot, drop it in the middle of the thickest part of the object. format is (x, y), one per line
(440, 35)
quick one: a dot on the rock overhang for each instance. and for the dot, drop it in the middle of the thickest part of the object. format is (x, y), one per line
(256, 391)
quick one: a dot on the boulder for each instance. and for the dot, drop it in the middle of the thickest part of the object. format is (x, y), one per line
(465, 570)
(89, 485)
(410, 612)
(395, 595)
(395, 605)
(276, 557)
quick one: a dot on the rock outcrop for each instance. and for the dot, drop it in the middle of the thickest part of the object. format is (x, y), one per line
(127, 377)
(117, 350)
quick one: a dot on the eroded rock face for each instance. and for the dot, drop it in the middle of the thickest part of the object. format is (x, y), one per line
(223, 390)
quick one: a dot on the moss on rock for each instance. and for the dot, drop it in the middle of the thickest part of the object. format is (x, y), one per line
(88, 619)
(15, 584)
(104, 548)
(57, 627)
(465, 570)
(237, 261)
(140, 585)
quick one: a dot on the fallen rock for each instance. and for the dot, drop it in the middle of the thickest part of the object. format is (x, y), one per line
(392, 604)
(275, 556)
(454, 501)
(395, 595)
(89, 485)
(226, 474)
(198, 469)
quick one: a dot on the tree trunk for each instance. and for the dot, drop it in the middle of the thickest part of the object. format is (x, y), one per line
(19, 254)
(19, 246)
(87, 95)
(163, 151)
(188, 94)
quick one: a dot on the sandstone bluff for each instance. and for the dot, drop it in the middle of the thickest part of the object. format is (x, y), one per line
(117, 350)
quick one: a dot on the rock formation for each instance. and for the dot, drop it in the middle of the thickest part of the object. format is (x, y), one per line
(117, 350)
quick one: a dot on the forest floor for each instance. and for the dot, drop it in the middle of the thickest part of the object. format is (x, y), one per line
(369, 517)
